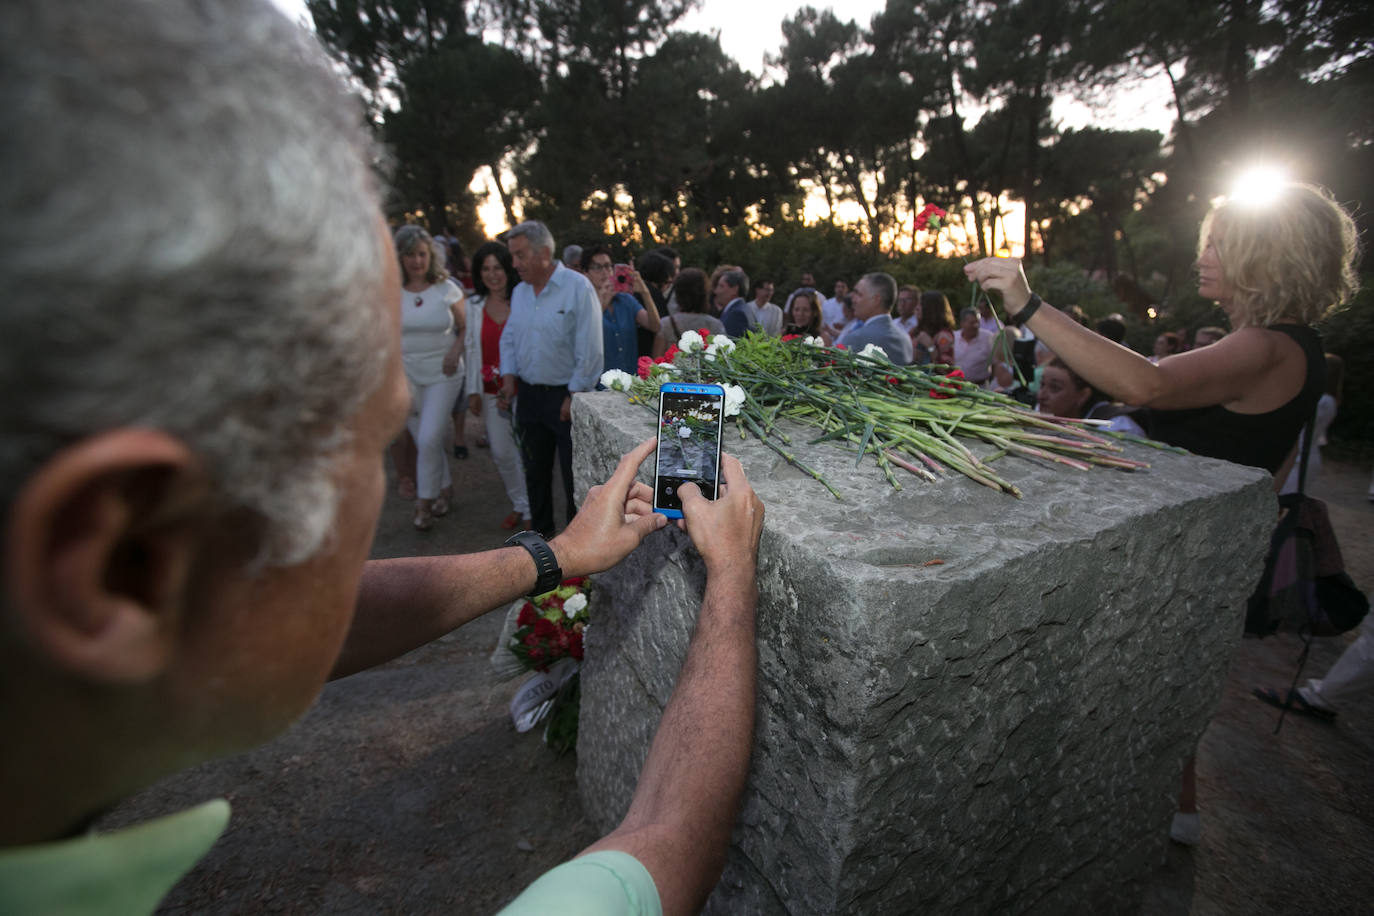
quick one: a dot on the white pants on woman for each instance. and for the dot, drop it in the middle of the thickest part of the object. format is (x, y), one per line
(430, 426)
(1350, 676)
(506, 454)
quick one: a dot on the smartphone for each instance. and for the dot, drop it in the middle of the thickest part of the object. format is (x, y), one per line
(624, 278)
(690, 420)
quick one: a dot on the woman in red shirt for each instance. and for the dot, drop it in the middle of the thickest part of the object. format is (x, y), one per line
(493, 279)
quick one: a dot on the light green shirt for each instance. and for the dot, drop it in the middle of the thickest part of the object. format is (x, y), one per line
(605, 883)
(123, 873)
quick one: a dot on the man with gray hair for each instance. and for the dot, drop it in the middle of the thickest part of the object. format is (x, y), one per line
(872, 297)
(201, 343)
(551, 346)
(572, 257)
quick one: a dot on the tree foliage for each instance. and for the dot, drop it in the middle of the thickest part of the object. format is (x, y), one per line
(605, 119)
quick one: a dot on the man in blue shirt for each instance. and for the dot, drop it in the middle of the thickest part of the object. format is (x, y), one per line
(551, 346)
(736, 313)
(873, 297)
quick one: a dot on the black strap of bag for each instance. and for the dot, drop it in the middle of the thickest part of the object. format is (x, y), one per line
(1304, 635)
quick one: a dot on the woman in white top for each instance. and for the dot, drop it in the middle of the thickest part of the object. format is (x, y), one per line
(433, 322)
(493, 279)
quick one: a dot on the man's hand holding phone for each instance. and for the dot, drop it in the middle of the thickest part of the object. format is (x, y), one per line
(725, 530)
(613, 519)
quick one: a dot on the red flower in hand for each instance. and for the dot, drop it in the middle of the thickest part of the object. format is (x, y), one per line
(575, 581)
(645, 364)
(527, 615)
(953, 373)
(575, 646)
(545, 629)
(930, 217)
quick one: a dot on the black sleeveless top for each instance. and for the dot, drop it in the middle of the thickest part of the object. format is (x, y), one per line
(1261, 440)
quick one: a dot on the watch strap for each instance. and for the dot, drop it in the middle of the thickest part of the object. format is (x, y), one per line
(548, 574)
(1027, 310)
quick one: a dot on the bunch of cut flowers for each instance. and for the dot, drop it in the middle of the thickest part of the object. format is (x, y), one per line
(548, 641)
(924, 420)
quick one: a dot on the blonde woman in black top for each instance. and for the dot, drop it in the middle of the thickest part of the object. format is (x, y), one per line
(1275, 269)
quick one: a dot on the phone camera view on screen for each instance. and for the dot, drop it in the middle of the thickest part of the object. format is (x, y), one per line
(689, 424)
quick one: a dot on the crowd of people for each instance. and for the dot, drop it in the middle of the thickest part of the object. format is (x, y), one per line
(212, 369)
(552, 348)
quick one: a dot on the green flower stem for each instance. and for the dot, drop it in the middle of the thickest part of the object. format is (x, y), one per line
(789, 457)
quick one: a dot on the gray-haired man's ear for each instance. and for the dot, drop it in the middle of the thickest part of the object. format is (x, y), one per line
(99, 545)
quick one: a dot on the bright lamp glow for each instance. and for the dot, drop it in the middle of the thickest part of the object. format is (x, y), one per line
(1258, 186)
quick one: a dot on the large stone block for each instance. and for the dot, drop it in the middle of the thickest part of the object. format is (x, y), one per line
(1003, 730)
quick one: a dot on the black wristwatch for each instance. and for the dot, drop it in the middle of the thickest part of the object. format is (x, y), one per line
(1027, 310)
(547, 572)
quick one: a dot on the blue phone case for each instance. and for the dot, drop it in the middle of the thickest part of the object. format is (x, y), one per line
(683, 388)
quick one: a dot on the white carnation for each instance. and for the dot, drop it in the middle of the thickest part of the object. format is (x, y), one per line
(874, 353)
(690, 342)
(573, 605)
(617, 380)
(734, 400)
(720, 345)
(814, 342)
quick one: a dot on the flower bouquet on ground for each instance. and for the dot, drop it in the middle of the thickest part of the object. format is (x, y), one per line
(917, 419)
(546, 638)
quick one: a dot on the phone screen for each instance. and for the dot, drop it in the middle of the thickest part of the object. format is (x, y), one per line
(689, 427)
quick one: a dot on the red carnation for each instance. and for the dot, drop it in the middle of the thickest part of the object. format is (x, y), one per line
(953, 373)
(575, 646)
(930, 217)
(645, 364)
(669, 354)
(545, 628)
(527, 615)
(575, 581)
(787, 337)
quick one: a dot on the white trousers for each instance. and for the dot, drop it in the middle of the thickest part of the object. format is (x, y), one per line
(430, 426)
(1352, 674)
(506, 453)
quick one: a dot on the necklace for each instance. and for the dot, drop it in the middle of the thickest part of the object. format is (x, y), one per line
(419, 301)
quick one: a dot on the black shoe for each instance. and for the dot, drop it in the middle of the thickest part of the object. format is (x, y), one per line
(460, 451)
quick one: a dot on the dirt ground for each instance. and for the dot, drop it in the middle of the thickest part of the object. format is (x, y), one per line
(406, 789)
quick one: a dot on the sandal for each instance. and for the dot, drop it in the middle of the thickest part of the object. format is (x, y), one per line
(424, 518)
(510, 521)
(1294, 703)
(405, 488)
(440, 506)
(460, 451)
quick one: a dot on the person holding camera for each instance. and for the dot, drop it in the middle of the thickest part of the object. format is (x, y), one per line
(186, 565)
(621, 313)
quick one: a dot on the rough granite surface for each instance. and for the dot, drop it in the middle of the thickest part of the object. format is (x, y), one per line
(1001, 731)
